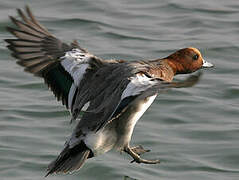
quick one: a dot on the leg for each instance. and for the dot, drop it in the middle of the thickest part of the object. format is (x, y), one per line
(139, 150)
(137, 158)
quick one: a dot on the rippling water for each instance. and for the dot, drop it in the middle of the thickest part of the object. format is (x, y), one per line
(194, 131)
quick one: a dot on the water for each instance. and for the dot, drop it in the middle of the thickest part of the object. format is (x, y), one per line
(194, 131)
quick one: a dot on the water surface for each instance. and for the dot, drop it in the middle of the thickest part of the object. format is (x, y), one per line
(194, 131)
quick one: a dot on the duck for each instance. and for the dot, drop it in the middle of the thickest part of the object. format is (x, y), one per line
(114, 93)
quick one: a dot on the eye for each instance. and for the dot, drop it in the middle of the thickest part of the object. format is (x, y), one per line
(195, 57)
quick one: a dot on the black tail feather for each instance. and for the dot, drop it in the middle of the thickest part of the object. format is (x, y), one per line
(70, 159)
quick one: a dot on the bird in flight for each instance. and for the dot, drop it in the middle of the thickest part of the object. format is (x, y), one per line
(115, 93)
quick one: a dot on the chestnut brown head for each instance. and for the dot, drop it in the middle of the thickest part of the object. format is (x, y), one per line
(187, 60)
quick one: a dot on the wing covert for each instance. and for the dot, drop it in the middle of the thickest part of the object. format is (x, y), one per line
(116, 96)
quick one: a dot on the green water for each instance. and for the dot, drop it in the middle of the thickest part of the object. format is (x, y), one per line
(194, 131)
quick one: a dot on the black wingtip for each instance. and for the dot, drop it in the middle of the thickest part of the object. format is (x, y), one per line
(15, 21)
(19, 11)
(22, 15)
(9, 41)
(28, 10)
(11, 18)
(48, 173)
(11, 30)
(10, 47)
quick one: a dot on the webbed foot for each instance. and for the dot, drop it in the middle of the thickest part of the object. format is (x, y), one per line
(135, 153)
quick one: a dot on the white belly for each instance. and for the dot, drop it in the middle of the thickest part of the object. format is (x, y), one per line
(101, 142)
(141, 107)
(119, 133)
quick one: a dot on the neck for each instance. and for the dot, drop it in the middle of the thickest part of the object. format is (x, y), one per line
(175, 65)
(162, 69)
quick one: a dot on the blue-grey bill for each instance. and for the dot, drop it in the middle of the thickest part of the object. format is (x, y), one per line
(206, 64)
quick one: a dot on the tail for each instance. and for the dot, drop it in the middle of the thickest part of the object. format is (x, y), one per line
(70, 159)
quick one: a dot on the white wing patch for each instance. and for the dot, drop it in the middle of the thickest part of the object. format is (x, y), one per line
(137, 84)
(76, 62)
(85, 107)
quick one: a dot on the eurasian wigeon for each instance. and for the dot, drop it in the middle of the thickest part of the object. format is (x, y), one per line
(117, 92)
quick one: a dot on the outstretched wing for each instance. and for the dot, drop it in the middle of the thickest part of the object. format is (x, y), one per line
(61, 65)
